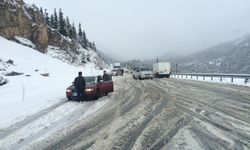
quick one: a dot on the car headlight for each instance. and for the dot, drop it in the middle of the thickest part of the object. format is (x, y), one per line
(89, 90)
(68, 91)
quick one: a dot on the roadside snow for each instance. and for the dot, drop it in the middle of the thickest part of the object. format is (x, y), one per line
(61, 127)
(31, 92)
(236, 81)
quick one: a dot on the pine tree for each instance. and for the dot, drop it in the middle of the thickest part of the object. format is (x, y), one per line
(62, 24)
(70, 33)
(84, 39)
(52, 21)
(80, 31)
(70, 29)
(68, 25)
(41, 10)
(55, 23)
(84, 36)
(47, 17)
(74, 30)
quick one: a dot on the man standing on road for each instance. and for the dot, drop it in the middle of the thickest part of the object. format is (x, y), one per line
(105, 76)
(80, 85)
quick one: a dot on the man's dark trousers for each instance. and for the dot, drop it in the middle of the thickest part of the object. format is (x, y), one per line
(80, 95)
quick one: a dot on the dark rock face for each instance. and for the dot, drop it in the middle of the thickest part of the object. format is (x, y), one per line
(16, 19)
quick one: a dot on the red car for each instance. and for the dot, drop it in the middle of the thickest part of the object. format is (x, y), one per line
(94, 88)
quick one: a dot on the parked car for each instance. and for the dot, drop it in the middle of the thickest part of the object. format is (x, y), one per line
(162, 69)
(94, 88)
(116, 72)
(142, 73)
(113, 72)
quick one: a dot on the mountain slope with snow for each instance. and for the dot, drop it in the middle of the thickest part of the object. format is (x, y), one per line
(229, 57)
(27, 91)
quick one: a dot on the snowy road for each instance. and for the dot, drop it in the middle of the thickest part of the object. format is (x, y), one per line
(148, 114)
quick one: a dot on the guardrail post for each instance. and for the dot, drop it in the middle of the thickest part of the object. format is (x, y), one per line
(203, 77)
(178, 76)
(211, 78)
(232, 79)
(220, 79)
(186, 76)
(197, 77)
(191, 77)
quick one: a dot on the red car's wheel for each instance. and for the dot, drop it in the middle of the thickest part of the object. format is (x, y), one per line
(97, 94)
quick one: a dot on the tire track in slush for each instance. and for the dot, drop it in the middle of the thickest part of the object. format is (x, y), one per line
(152, 137)
(62, 122)
(99, 122)
(210, 95)
(149, 114)
(128, 139)
(13, 128)
(204, 103)
(123, 106)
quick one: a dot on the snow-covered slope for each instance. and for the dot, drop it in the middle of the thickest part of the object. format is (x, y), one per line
(229, 57)
(80, 57)
(30, 92)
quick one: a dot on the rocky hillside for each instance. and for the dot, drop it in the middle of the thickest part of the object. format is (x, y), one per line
(18, 19)
(21, 22)
(230, 57)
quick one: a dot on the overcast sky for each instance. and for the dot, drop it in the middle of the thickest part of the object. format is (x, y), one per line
(145, 29)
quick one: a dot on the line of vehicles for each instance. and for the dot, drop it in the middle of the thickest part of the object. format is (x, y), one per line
(96, 88)
(160, 69)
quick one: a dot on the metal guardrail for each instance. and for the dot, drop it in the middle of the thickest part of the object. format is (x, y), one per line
(212, 75)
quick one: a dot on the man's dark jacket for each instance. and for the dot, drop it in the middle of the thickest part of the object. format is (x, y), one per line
(79, 82)
(105, 77)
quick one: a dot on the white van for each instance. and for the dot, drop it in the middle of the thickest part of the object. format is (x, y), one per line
(162, 69)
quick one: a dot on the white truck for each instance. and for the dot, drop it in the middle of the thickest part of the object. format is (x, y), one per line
(162, 69)
(117, 70)
(117, 65)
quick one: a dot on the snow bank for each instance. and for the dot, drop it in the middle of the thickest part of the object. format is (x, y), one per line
(31, 92)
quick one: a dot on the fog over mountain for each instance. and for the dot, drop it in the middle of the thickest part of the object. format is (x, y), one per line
(228, 57)
(144, 29)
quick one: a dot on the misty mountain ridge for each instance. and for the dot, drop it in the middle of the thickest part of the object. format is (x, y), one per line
(228, 57)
